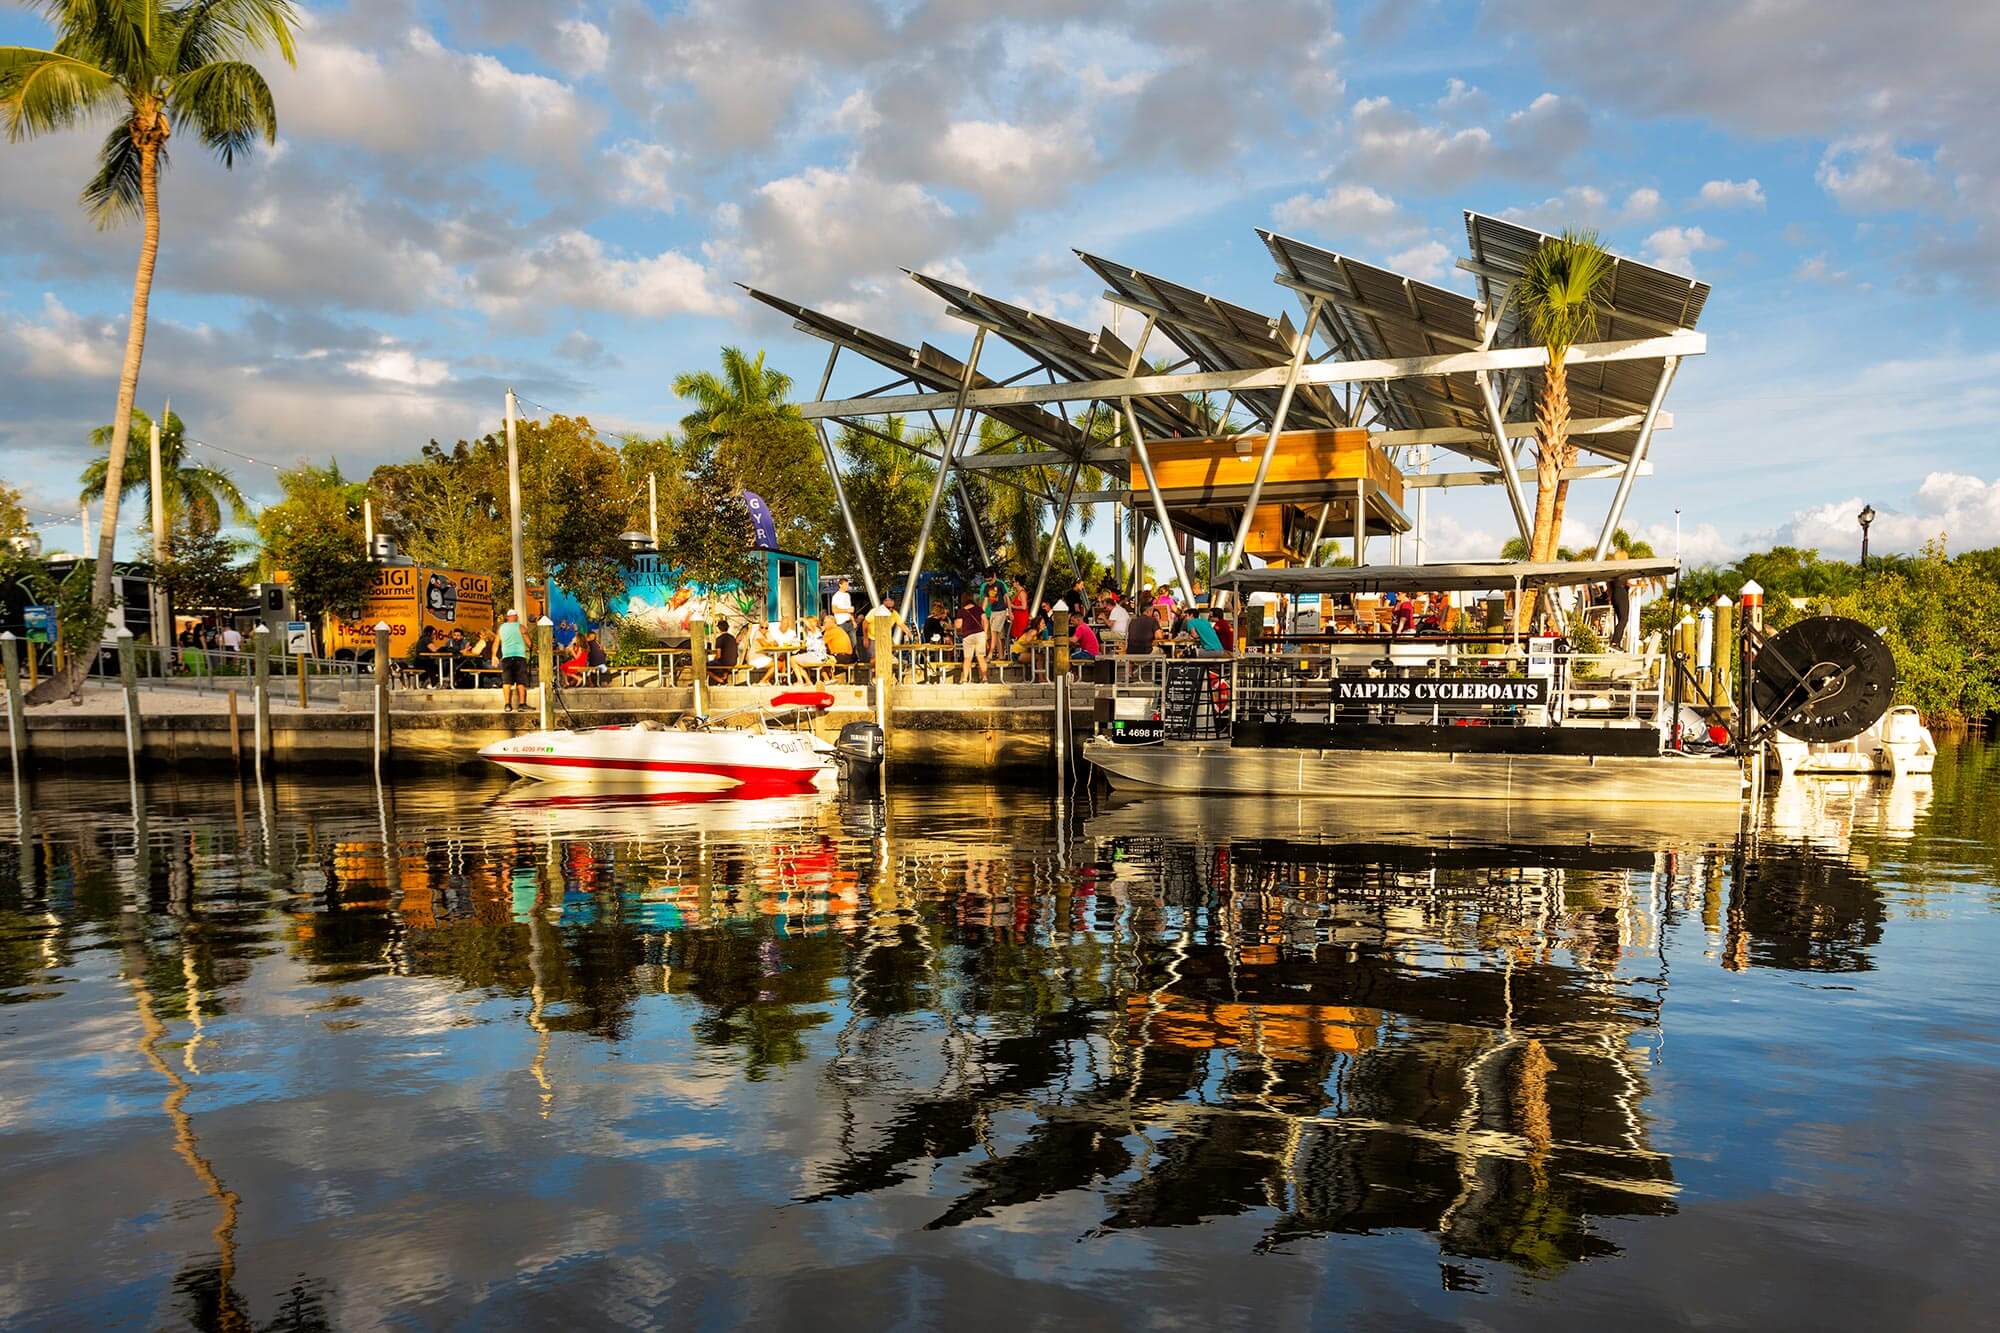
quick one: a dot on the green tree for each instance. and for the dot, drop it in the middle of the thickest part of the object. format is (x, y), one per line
(1941, 619)
(314, 536)
(195, 494)
(201, 571)
(1562, 290)
(157, 68)
(710, 542)
(744, 414)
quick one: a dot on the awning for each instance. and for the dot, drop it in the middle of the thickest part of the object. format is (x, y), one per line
(1473, 576)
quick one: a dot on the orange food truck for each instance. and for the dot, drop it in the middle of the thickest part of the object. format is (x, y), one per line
(408, 597)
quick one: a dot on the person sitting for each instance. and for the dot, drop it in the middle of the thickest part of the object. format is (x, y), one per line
(1198, 628)
(1403, 616)
(1084, 643)
(839, 643)
(723, 657)
(1116, 618)
(1140, 632)
(417, 659)
(574, 661)
(756, 651)
(935, 630)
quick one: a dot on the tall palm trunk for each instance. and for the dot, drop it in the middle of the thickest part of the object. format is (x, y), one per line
(149, 132)
(1553, 454)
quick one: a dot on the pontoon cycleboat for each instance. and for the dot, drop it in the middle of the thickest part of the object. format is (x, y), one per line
(775, 752)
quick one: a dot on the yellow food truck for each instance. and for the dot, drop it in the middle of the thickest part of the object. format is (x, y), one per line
(408, 597)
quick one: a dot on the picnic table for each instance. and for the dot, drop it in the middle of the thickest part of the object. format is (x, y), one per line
(929, 661)
(478, 671)
(663, 661)
(450, 673)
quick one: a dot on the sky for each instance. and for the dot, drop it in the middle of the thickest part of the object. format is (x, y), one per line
(562, 198)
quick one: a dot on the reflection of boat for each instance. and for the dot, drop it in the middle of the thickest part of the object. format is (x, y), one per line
(568, 810)
(765, 757)
(1898, 743)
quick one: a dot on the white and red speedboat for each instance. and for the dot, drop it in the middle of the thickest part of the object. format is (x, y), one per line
(775, 753)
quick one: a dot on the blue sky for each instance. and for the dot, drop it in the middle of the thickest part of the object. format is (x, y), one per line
(562, 197)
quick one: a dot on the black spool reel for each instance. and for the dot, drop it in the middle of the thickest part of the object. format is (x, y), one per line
(1823, 679)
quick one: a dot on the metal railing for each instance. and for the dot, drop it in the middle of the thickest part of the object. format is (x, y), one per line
(213, 670)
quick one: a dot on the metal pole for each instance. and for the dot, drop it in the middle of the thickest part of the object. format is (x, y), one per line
(1062, 515)
(1319, 532)
(1285, 395)
(17, 719)
(840, 494)
(944, 470)
(1639, 447)
(1423, 503)
(163, 633)
(368, 526)
(972, 521)
(1505, 457)
(1160, 504)
(514, 512)
(653, 508)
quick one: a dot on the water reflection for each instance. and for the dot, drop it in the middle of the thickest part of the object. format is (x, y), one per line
(951, 1012)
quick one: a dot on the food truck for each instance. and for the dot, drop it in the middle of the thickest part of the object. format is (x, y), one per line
(409, 597)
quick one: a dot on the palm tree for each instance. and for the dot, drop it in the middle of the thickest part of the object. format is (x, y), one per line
(193, 493)
(155, 68)
(745, 395)
(1561, 291)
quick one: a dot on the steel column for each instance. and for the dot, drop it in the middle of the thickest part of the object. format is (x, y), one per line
(1159, 503)
(1504, 457)
(944, 469)
(1631, 471)
(1285, 395)
(840, 490)
(1062, 521)
(1319, 531)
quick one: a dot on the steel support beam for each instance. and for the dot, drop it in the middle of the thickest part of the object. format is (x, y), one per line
(1638, 459)
(950, 445)
(1437, 481)
(1501, 456)
(1062, 521)
(840, 490)
(1680, 344)
(1299, 354)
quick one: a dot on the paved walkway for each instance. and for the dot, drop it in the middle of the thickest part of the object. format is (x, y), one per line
(101, 699)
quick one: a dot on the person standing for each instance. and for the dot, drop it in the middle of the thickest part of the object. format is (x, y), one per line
(994, 605)
(513, 663)
(1017, 610)
(843, 603)
(972, 637)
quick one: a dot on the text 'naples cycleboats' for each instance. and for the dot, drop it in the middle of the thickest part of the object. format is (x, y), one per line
(1464, 713)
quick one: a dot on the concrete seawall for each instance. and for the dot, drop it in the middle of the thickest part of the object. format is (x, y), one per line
(963, 729)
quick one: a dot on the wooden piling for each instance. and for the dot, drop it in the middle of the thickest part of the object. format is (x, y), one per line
(128, 680)
(545, 669)
(1059, 676)
(698, 664)
(17, 718)
(304, 700)
(235, 736)
(382, 666)
(882, 671)
(260, 647)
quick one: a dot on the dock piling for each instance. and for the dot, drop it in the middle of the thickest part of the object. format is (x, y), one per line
(882, 671)
(1059, 676)
(128, 680)
(545, 669)
(260, 653)
(698, 664)
(381, 746)
(17, 720)
(235, 736)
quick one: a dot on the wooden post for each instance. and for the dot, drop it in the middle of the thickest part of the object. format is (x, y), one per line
(545, 669)
(1725, 651)
(381, 693)
(17, 718)
(260, 648)
(128, 678)
(235, 735)
(882, 634)
(304, 700)
(698, 655)
(34, 666)
(1059, 653)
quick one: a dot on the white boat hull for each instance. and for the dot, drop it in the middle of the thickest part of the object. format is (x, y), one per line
(1899, 744)
(1217, 766)
(723, 760)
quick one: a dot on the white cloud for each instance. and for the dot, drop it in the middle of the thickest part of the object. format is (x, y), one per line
(1392, 145)
(1346, 209)
(1586, 206)
(62, 344)
(642, 174)
(1429, 261)
(1731, 194)
(1818, 268)
(399, 365)
(583, 45)
(1674, 248)
(574, 269)
(1961, 509)
(1868, 175)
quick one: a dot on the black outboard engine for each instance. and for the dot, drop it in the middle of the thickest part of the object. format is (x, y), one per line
(858, 751)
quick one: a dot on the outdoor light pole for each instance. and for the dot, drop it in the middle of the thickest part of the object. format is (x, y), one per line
(514, 513)
(1865, 517)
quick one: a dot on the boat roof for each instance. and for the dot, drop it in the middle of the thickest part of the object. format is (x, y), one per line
(1464, 576)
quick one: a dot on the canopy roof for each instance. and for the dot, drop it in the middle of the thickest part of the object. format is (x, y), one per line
(1468, 576)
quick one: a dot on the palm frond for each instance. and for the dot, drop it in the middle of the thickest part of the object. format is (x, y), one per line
(217, 31)
(42, 91)
(113, 194)
(1562, 290)
(228, 104)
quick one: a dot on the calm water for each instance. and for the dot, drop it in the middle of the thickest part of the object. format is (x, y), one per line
(305, 1058)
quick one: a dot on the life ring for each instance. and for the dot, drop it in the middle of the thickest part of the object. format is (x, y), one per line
(1218, 688)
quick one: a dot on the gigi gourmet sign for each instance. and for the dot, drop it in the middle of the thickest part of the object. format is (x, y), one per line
(1528, 691)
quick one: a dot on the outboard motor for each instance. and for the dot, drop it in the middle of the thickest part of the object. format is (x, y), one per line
(858, 751)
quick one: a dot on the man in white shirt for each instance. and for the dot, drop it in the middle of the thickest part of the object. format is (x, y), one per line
(843, 604)
(1117, 619)
(232, 639)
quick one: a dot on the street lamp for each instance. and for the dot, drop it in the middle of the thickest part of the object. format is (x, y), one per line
(1865, 517)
